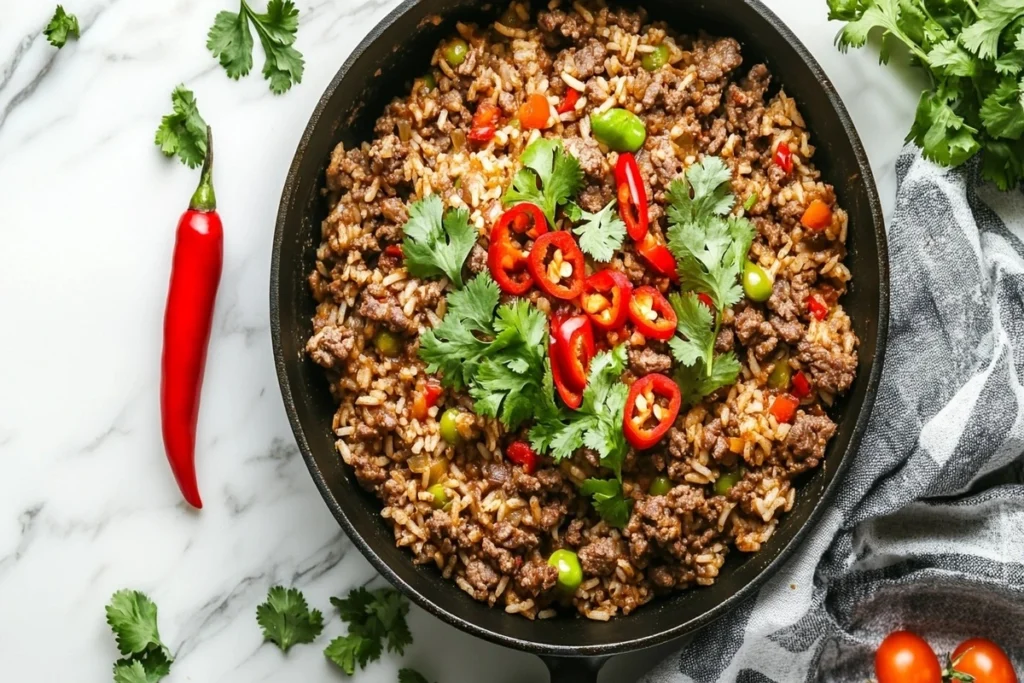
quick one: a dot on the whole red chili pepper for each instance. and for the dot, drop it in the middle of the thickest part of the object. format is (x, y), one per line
(195, 274)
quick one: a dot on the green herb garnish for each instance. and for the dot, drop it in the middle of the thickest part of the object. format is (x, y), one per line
(601, 233)
(183, 132)
(61, 27)
(230, 40)
(558, 172)
(132, 617)
(437, 242)
(608, 501)
(286, 619)
(374, 619)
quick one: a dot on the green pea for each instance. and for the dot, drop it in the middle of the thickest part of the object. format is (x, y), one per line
(660, 486)
(430, 80)
(725, 482)
(440, 497)
(619, 129)
(652, 61)
(570, 574)
(779, 377)
(756, 283)
(450, 426)
(455, 52)
(387, 344)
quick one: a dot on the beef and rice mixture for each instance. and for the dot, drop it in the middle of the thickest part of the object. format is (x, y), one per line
(486, 522)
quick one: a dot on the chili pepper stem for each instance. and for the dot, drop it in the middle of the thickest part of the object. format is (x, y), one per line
(204, 198)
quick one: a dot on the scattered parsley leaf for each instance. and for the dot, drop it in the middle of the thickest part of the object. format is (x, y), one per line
(982, 37)
(601, 234)
(437, 242)
(132, 617)
(1002, 112)
(598, 422)
(286, 619)
(608, 501)
(456, 346)
(183, 132)
(411, 676)
(61, 27)
(951, 59)
(942, 135)
(558, 172)
(372, 618)
(230, 41)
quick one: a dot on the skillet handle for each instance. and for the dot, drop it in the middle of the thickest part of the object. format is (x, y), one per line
(574, 669)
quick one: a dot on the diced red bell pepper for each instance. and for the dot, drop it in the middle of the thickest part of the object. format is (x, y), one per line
(817, 216)
(568, 103)
(652, 314)
(658, 256)
(632, 196)
(521, 454)
(394, 250)
(505, 257)
(645, 402)
(426, 398)
(561, 276)
(784, 157)
(485, 122)
(784, 407)
(605, 299)
(817, 307)
(801, 385)
(574, 339)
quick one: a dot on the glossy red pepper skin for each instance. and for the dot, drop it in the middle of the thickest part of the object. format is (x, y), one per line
(658, 256)
(195, 275)
(706, 300)
(605, 299)
(575, 349)
(572, 399)
(801, 385)
(632, 196)
(521, 454)
(426, 398)
(505, 258)
(485, 123)
(568, 103)
(646, 298)
(816, 307)
(659, 385)
(538, 264)
(784, 407)
(784, 157)
(394, 250)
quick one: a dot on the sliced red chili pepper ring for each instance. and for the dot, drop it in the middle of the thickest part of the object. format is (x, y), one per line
(561, 276)
(574, 338)
(485, 122)
(572, 399)
(652, 406)
(632, 196)
(652, 314)
(521, 454)
(658, 256)
(568, 103)
(605, 299)
(506, 258)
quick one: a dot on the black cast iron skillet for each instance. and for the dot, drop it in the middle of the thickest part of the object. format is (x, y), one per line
(395, 51)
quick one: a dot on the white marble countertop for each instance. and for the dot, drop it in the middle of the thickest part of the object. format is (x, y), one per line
(87, 504)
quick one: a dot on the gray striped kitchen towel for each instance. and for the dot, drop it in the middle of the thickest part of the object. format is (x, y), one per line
(919, 536)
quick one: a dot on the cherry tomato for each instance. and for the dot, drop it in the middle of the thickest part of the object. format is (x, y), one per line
(984, 660)
(904, 657)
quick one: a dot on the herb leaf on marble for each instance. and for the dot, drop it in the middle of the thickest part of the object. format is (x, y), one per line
(182, 133)
(374, 618)
(61, 27)
(286, 619)
(133, 619)
(230, 41)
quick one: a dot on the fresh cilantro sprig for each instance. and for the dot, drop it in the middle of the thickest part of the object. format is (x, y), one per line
(183, 132)
(710, 248)
(546, 162)
(608, 501)
(601, 233)
(496, 351)
(61, 27)
(598, 422)
(437, 242)
(374, 619)
(974, 53)
(286, 619)
(230, 41)
(132, 617)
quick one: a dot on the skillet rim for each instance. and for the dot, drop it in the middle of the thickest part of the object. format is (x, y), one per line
(624, 644)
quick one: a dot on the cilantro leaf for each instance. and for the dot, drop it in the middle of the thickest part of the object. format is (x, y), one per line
(132, 617)
(941, 133)
(951, 59)
(230, 41)
(61, 27)
(694, 322)
(710, 256)
(131, 672)
(286, 619)
(372, 618)
(458, 344)
(411, 676)
(711, 194)
(154, 665)
(608, 501)
(183, 132)
(982, 37)
(602, 233)
(557, 171)
(1002, 112)
(437, 242)
(696, 381)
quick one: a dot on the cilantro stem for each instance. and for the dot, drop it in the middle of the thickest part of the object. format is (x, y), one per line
(974, 8)
(924, 8)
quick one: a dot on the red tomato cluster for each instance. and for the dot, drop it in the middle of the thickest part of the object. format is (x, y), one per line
(905, 657)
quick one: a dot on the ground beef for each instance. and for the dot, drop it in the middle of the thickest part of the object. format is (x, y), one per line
(781, 301)
(513, 538)
(661, 577)
(394, 210)
(598, 558)
(830, 368)
(589, 155)
(505, 560)
(477, 261)
(590, 60)
(725, 340)
(482, 577)
(568, 25)
(722, 57)
(596, 197)
(755, 333)
(805, 443)
(645, 360)
(535, 577)
(331, 345)
(382, 306)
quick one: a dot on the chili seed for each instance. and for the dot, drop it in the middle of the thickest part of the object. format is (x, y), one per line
(455, 52)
